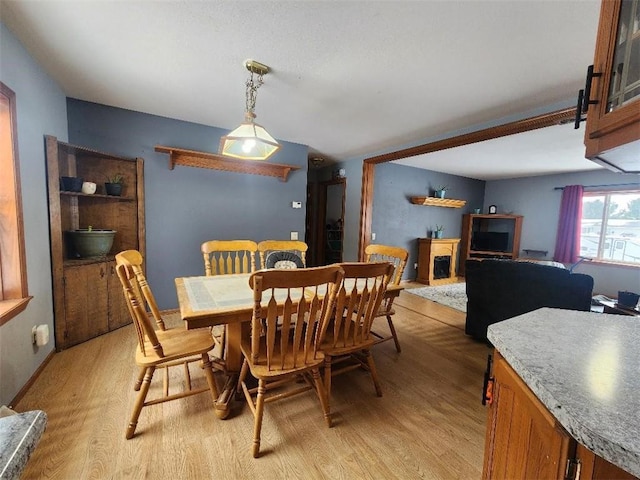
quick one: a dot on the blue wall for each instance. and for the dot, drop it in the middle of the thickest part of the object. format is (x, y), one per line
(396, 221)
(187, 206)
(41, 109)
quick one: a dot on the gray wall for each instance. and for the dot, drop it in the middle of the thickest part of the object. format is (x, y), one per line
(396, 221)
(41, 110)
(539, 202)
(187, 206)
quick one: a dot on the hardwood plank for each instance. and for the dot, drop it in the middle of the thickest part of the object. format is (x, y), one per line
(429, 423)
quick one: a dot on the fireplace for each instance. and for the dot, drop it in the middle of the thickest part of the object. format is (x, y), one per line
(441, 266)
(437, 260)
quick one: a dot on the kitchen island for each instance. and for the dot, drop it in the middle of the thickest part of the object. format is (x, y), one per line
(19, 435)
(566, 396)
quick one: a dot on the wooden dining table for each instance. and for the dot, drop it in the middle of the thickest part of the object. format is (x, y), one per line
(208, 301)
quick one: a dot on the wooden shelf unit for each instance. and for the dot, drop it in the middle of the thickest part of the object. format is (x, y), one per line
(87, 295)
(438, 202)
(214, 161)
(472, 222)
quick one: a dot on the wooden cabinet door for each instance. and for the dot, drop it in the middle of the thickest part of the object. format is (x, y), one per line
(85, 303)
(597, 468)
(118, 310)
(523, 439)
(612, 136)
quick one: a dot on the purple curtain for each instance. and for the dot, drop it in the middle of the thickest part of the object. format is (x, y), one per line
(568, 238)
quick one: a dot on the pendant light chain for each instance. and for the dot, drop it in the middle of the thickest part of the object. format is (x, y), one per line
(252, 91)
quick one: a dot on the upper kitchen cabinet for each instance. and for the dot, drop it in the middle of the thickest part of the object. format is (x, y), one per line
(612, 93)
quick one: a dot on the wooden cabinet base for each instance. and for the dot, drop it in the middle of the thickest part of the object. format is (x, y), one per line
(524, 440)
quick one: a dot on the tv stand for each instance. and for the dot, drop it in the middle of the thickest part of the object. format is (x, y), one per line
(472, 222)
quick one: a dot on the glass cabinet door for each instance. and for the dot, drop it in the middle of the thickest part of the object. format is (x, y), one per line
(625, 69)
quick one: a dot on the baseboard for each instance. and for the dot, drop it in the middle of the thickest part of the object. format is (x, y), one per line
(31, 380)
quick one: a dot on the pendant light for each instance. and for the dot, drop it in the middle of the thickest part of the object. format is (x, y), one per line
(250, 141)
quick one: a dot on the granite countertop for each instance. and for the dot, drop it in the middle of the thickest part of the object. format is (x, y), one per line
(585, 368)
(19, 435)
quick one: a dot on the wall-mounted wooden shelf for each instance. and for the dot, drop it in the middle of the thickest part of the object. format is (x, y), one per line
(438, 202)
(191, 158)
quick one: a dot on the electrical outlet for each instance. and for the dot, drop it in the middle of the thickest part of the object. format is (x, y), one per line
(294, 235)
(373, 236)
(415, 265)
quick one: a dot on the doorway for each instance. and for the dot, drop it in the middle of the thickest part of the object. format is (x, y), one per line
(326, 227)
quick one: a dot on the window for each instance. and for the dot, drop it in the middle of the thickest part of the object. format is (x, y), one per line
(14, 295)
(610, 227)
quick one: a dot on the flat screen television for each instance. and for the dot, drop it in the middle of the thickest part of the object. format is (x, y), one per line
(490, 241)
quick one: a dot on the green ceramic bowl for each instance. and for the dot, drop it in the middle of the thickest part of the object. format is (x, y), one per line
(92, 243)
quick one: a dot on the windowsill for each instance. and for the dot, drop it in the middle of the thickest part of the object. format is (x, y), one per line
(611, 264)
(11, 308)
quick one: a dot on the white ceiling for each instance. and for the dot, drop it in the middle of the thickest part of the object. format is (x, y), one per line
(348, 78)
(545, 151)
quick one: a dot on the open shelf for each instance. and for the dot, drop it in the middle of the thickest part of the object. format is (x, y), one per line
(191, 158)
(98, 195)
(438, 202)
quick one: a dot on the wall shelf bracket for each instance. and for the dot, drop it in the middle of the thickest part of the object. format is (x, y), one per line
(214, 161)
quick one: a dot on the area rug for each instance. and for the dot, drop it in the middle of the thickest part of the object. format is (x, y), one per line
(453, 295)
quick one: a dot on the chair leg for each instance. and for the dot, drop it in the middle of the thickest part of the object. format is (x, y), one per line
(327, 375)
(243, 374)
(322, 394)
(142, 395)
(136, 386)
(208, 373)
(373, 372)
(257, 425)
(393, 333)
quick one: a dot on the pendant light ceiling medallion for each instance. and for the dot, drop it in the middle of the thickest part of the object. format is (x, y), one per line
(250, 141)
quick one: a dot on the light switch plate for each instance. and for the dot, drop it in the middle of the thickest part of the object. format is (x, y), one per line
(294, 235)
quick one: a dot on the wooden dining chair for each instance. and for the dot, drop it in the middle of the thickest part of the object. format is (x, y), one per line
(348, 339)
(224, 257)
(285, 355)
(283, 254)
(159, 346)
(398, 257)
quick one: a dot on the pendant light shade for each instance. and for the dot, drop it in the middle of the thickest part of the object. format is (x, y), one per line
(250, 141)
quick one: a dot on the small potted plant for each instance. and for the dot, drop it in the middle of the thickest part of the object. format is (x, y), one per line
(438, 232)
(113, 185)
(440, 191)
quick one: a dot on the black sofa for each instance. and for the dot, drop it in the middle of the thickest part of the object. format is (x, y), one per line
(501, 289)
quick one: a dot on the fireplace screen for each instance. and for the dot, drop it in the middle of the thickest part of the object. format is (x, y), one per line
(441, 266)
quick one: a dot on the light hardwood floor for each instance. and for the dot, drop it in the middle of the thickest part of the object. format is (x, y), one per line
(428, 424)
